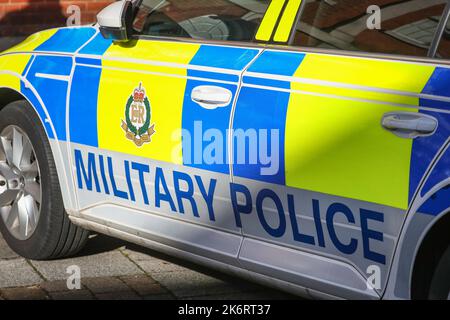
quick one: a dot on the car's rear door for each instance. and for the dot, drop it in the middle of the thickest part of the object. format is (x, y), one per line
(149, 123)
(343, 140)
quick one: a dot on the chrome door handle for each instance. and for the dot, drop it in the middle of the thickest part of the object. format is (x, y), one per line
(409, 124)
(211, 97)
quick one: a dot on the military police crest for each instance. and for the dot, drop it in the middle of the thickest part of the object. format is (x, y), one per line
(138, 115)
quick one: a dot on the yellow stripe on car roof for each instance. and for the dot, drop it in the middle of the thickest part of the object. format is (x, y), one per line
(285, 26)
(270, 19)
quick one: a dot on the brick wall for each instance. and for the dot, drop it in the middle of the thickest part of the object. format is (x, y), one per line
(23, 17)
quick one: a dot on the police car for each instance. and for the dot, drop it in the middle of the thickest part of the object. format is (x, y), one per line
(300, 144)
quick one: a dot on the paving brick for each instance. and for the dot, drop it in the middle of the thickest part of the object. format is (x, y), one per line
(108, 264)
(123, 295)
(144, 285)
(5, 251)
(26, 293)
(151, 264)
(159, 297)
(54, 286)
(105, 285)
(191, 283)
(72, 295)
(17, 273)
(111, 275)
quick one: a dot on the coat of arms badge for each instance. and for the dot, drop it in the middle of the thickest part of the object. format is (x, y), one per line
(138, 115)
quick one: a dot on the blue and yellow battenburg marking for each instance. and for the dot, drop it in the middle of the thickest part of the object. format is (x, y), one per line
(331, 140)
(20, 63)
(52, 92)
(174, 69)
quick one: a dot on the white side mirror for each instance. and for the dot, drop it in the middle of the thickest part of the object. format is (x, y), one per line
(115, 21)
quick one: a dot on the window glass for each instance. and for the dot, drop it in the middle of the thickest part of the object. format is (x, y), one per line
(405, 27)
(443, 51)
(233, 20)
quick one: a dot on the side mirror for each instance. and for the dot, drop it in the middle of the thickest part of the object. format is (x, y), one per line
(115, 21)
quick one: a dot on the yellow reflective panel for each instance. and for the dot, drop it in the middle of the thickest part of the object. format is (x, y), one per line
(162, 71)
(287, 21)
(33, 41)
(384, 74)
(337, 146)
(269, 22)
(15, 63)
(358, 93)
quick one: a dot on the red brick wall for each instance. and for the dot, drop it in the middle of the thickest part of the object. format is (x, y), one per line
(23, 17)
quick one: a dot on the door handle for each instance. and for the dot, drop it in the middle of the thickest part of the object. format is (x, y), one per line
(211, 97)
(409, 125)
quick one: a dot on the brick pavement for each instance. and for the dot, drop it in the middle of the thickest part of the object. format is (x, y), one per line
(117, 270)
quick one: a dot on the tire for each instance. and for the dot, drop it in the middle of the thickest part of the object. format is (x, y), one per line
(54, 235)
(440, 282)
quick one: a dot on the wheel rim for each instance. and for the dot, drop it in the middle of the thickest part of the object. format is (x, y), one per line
(20, 183)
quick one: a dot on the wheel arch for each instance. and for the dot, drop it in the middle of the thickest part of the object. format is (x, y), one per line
(9, 95)
(433, 200)
(423, 238)
(435, 241)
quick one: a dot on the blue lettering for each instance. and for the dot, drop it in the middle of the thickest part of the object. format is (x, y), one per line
(184, 185)
(237, 208)
(269, 194)
(141, 169)
(331, 212)
(160, 181)
(188, 194)
(102, 172)
(318, 223)
(368, 234)
(208, 196)
(129, 182)
(118, 193)
(295, 228)
(92, 171)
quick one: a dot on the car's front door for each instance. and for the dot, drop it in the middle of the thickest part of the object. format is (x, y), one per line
(150, 135)
(334, 133)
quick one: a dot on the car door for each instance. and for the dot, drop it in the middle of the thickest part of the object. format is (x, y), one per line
(341, 150)
(149, 122)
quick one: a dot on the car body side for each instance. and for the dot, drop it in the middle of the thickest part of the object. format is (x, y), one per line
(41, 70)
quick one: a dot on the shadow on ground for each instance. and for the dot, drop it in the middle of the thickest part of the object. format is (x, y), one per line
(119, 270)
(99, 243)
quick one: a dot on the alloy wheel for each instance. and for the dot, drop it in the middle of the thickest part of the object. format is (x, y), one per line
(20, 183)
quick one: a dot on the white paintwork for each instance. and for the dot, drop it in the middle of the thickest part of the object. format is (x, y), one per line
(211, 97)
(310, 270)
(111, 16)
(52, 76)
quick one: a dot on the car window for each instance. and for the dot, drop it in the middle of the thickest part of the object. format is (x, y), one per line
(376, 26)
(443, 51)
(232, 20)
